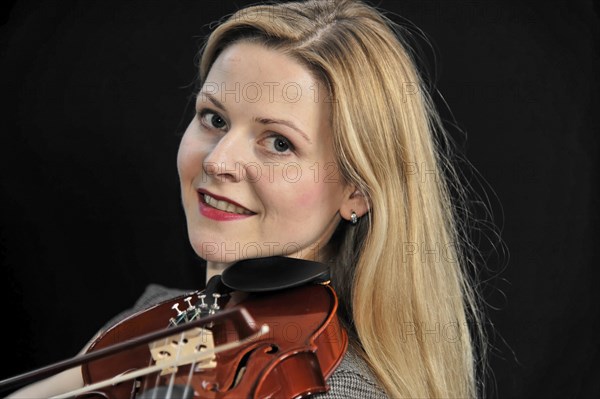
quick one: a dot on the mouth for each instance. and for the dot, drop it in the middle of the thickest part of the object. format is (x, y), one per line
(223, 204)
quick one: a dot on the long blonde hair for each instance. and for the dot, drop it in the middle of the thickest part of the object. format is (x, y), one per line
(400, 273)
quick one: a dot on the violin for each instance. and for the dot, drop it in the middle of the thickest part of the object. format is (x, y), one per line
(265, 328)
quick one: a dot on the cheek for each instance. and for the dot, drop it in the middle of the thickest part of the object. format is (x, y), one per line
(189, 158)
(317, 198)
(308, 196)
(183, 160)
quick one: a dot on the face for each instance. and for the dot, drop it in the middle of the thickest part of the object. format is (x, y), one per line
(256, 164)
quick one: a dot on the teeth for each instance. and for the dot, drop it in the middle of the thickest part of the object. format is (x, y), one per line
(225, 206)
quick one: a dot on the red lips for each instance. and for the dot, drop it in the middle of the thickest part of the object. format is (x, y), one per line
(216, 214)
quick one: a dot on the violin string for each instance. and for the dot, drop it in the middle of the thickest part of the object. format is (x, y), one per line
(169, 389)
(177, 357)
(188, 384)
(156, 384)
(146, 383)
(146, 380)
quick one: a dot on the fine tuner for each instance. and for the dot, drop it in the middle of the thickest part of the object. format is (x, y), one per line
(196, 311)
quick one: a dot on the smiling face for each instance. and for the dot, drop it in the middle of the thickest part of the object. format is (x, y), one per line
(256, 164)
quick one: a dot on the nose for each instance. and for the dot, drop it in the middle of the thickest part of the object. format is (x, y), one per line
(225, 161)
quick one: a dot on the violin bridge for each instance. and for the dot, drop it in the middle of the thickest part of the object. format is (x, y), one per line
(187, 345)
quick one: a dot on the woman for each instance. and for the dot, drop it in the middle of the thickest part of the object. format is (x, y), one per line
(314, 138)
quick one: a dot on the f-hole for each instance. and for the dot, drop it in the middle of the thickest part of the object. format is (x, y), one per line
(241, 369)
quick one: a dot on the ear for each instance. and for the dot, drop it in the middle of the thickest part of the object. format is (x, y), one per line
(354, 201)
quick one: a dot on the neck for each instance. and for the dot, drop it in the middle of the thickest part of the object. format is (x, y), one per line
(215, 269)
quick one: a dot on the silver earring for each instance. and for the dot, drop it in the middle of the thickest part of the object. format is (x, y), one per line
(353, 218)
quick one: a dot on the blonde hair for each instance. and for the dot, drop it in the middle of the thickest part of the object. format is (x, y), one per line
(400, 273)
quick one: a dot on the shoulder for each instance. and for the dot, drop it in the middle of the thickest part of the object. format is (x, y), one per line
(156, 293)
(353, 378)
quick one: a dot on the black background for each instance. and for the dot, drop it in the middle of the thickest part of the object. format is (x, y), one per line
(95, 96)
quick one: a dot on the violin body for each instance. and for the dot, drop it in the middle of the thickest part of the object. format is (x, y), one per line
(304, 345)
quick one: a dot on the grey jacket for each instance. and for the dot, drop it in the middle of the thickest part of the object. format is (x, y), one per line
(352, 379)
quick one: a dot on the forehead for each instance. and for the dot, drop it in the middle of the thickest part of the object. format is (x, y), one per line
(253, 74)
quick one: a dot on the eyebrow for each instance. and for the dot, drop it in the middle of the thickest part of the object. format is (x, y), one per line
(213, 100)
(267, 121)
(264, 121)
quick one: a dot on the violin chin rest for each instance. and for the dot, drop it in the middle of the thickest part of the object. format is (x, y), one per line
(173, 391)
(273, 273)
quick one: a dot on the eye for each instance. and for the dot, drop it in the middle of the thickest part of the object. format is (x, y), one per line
(212, 120)
(279, 144)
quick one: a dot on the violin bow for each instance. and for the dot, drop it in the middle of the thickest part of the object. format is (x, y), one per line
(246, 323)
